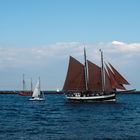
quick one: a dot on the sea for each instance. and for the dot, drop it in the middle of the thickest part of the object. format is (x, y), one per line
(57, 119)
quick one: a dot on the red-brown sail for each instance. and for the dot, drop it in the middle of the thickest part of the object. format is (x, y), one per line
(75, 79)
(108, 86)
(114, 83)
(94, 77)
(119, 78)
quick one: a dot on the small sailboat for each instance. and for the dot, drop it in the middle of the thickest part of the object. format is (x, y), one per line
(90, 82)
(37, 94)
(25, 92)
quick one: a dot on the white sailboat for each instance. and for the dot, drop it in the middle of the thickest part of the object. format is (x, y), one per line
(37, 93)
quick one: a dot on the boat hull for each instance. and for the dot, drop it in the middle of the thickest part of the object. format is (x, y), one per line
(96, 98)
(36, 99)
(25, 93)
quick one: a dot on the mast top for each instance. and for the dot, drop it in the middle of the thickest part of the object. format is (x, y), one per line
(102, 72)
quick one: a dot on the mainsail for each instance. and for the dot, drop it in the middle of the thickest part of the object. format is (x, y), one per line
(94, 77)
(36, 92)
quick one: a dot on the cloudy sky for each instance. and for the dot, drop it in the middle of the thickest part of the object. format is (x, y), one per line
(38, 36)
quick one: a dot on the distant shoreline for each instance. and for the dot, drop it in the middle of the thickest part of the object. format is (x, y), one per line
(18, 91)
(60, 92)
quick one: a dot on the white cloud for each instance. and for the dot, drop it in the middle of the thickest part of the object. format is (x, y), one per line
(16, 57)
(127, 47)
(19, 57)
(50, 61)
(118, 43)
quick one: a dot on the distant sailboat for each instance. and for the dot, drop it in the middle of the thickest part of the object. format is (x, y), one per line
(90, 82)
(37, 93)
(25, 92)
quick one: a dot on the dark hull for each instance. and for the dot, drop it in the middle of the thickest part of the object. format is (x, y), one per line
(97, 98)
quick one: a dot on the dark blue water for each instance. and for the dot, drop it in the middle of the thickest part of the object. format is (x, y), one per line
(55, 119)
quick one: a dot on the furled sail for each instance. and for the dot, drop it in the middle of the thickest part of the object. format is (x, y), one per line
(75, 79)
(94, 77)
(119, 78)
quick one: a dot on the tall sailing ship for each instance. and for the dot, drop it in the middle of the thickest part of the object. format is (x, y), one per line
(25, 92)
(89, 82)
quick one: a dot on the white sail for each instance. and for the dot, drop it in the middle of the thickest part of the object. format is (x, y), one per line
(36, 92)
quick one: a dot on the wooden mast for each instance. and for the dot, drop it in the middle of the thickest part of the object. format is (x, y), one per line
(23, 82)
(102, 72)
(86, 71)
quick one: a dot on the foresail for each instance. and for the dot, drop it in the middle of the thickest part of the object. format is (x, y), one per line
(94, 77)
(120, 79)
(113, 81)
(75, 79)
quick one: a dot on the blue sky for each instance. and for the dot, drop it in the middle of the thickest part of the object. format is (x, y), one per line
(37, 37)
